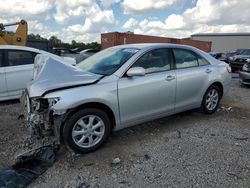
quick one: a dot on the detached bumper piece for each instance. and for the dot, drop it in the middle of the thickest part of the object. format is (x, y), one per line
(28, 168)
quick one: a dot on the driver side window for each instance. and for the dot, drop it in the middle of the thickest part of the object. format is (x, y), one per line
(154, 61)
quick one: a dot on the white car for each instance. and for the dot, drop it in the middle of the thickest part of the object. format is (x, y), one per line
(16, 68)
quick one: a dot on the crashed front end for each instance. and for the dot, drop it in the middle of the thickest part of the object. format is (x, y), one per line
(43, 119)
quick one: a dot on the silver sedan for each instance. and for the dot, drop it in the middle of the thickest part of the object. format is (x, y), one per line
(120, 87)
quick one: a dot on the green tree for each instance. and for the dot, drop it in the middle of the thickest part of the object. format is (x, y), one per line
(55, 41)
(35, 37)
(73, 44)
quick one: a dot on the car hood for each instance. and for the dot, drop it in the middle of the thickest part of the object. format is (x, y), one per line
(53, 74)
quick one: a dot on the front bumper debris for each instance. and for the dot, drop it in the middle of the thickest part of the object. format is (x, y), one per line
(43, 122)
(38, 125)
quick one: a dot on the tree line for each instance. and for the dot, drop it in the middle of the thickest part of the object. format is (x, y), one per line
(58, 43)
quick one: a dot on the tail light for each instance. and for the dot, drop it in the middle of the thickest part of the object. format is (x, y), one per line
(229, 69)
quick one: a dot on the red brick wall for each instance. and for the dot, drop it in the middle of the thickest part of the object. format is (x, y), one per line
(113, 39)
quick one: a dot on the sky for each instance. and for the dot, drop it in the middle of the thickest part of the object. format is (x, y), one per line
(85, 20)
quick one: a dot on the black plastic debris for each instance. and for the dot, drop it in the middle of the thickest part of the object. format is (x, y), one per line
(28, 168)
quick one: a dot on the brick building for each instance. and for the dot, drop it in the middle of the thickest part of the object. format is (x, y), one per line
(116, 38)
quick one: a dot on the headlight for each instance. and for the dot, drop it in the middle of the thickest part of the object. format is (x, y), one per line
(53, 101)
(35, 104)
(40, 104)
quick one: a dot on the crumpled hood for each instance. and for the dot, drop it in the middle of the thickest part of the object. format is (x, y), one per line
(55, 75)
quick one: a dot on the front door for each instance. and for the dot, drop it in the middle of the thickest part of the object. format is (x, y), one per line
(142, 98)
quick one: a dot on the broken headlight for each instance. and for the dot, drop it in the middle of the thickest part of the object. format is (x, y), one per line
(53, 101)
(38, 104)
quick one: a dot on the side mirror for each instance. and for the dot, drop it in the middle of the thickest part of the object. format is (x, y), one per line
(136, 71)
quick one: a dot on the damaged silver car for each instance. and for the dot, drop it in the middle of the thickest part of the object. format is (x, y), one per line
(119, 87)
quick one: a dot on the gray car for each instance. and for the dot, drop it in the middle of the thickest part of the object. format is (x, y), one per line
(120, 87)
(244, 73)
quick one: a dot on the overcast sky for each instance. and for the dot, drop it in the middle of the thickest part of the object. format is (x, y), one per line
(84, 20)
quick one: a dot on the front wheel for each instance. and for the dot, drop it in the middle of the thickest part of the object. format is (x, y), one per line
(211, 100)
(86, 130)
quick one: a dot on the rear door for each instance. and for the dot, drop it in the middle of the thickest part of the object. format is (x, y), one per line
(19, 70)
(193, 74)
(3, 87)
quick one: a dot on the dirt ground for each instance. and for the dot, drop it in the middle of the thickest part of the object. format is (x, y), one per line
(189, 149)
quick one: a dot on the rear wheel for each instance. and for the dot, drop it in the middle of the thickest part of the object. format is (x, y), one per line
(86, 130)
(211, 100)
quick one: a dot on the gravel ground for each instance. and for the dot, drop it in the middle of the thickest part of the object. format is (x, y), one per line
(189, 149)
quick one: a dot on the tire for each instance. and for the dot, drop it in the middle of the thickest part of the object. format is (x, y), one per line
(86, 130)
(215, 101)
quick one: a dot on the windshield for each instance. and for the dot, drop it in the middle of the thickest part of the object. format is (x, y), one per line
(107, 61)
(246, 52)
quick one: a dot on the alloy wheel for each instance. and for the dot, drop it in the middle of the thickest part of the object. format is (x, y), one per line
(212, 99)
(88, 131)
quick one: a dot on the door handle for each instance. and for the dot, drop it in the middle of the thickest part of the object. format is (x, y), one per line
(208, 70)
(170, 77)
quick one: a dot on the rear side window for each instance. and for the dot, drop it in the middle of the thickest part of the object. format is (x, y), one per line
(154, 61)
(202, 61)
(20, 57)
(184, 59)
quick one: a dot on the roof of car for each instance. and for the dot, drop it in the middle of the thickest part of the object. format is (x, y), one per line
(14, 47)
(148, 45)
